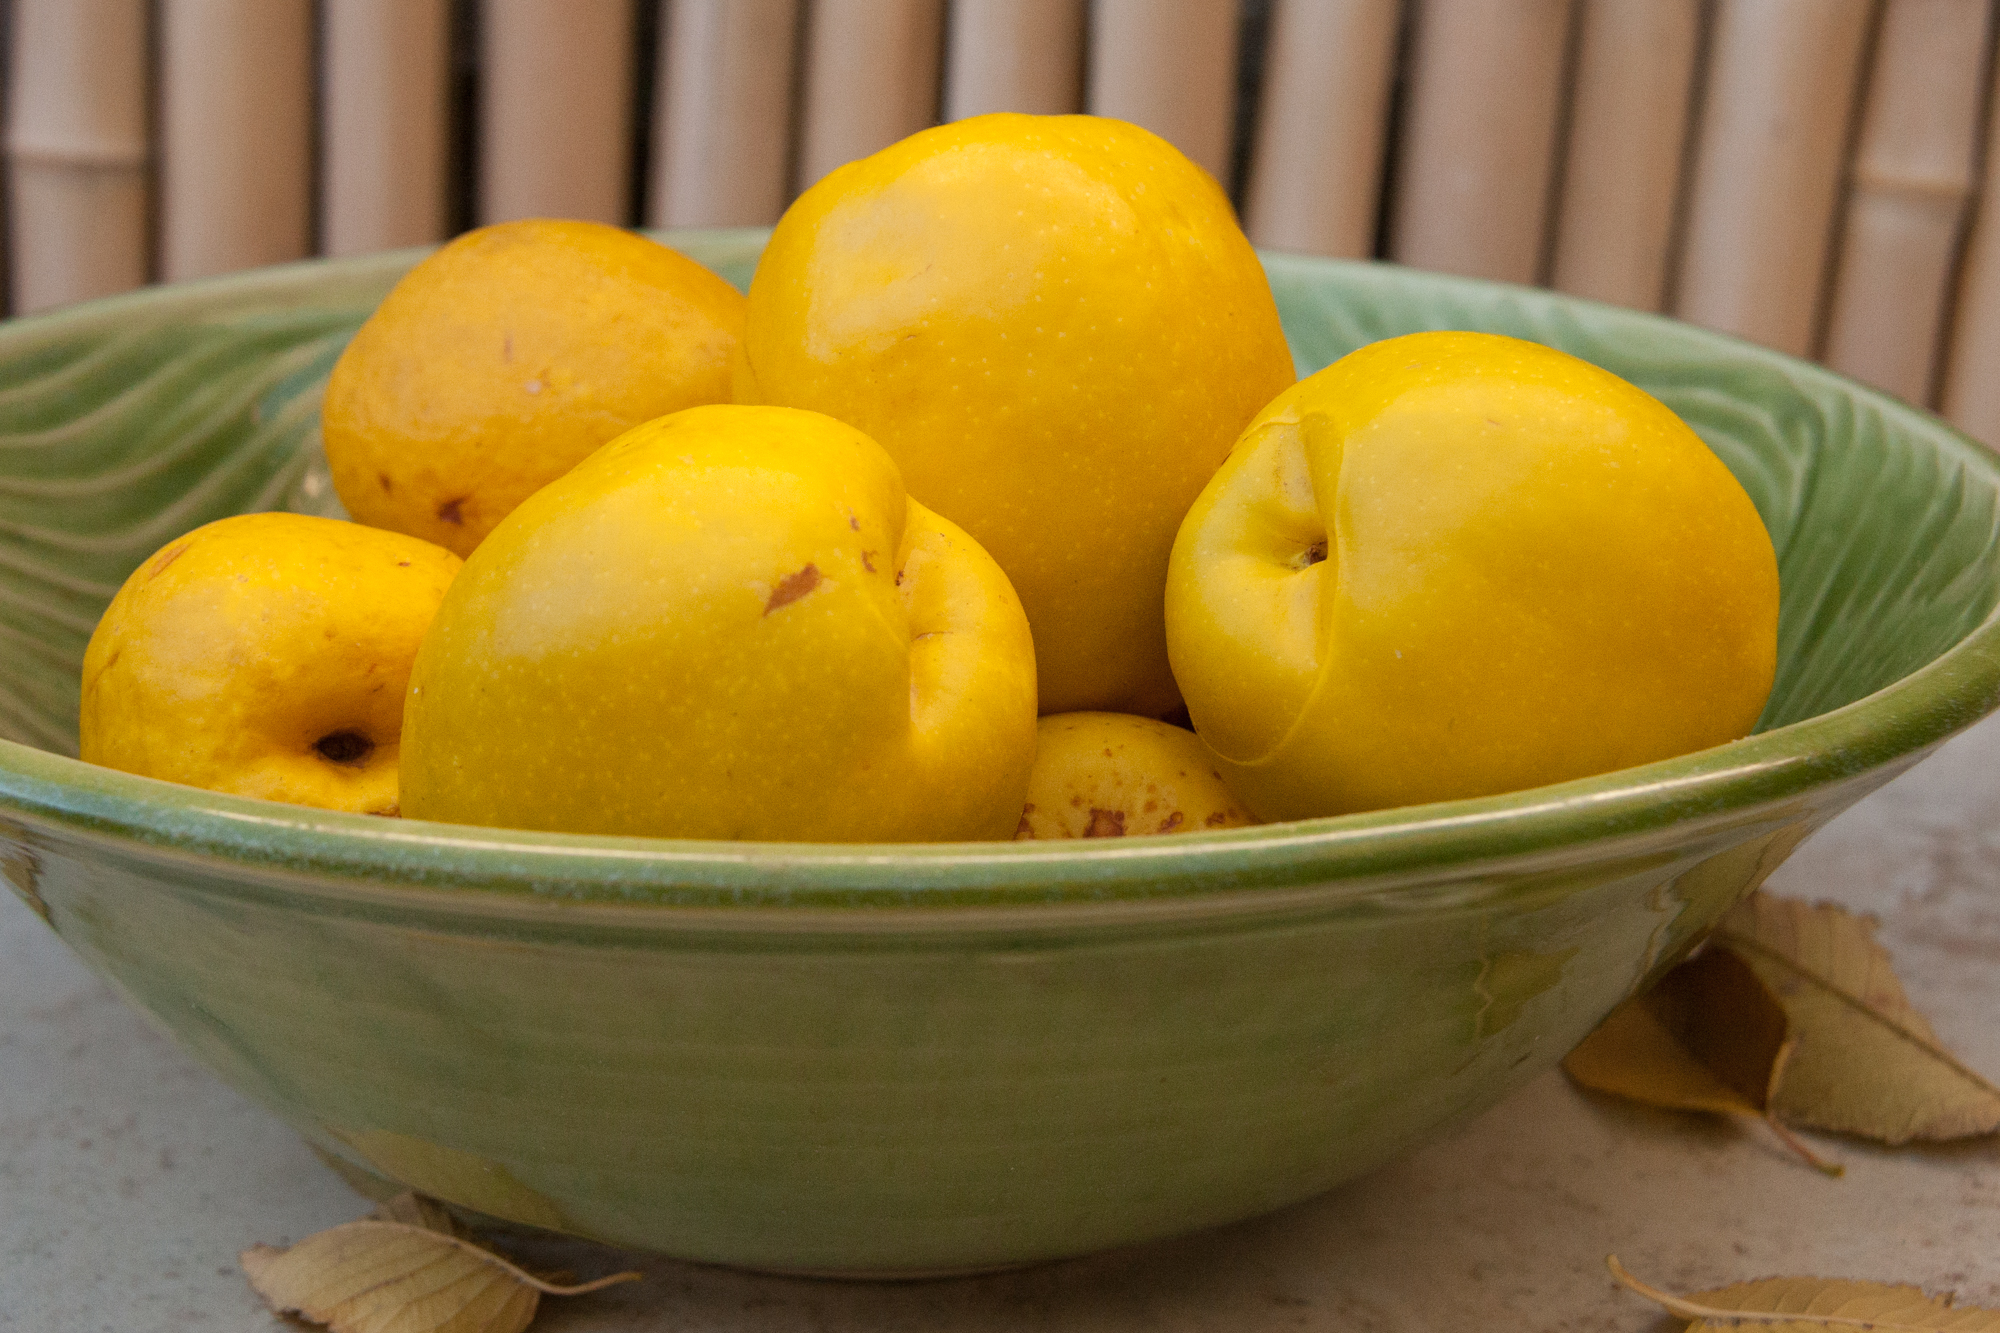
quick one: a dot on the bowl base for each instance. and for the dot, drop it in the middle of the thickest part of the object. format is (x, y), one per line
(380, 1189)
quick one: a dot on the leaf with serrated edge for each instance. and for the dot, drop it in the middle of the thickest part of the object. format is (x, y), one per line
(406, 1271)
(1867, 1063)
(1814, 1305)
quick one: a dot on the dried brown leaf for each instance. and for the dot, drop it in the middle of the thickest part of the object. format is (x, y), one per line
(1866, 1063)
(409, 1269)
(1710, 1036)
(1653, 1048)
(1813, 1304)
(1633, 1055)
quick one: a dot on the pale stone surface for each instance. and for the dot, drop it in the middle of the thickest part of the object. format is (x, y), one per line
(129, 1178)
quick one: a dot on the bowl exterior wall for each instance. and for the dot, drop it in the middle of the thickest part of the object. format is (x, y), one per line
(951, 1091)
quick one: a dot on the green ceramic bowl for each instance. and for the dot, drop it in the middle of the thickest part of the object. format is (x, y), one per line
(905, 1059)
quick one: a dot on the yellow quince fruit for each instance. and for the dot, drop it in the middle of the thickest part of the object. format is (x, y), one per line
(500, 361)
(727, 623)
(1454, 564)
(1055, 327)
(1113, 775)
(265, 655)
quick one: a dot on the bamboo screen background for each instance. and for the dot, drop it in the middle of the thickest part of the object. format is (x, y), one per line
(1804, 173)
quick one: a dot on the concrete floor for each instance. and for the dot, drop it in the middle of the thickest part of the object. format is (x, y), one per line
(130, 1178)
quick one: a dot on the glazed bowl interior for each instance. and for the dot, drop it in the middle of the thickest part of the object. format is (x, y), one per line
(921, 1058)
(127, 422)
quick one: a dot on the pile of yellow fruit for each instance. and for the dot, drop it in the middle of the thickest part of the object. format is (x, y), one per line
(1000, 463)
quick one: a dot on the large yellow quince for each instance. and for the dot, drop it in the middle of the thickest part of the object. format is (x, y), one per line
(1055, 327)
(265, 655)
(727, 623)
(500, 361)
(1453, 564)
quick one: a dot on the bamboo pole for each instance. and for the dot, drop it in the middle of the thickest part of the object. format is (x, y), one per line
(1628, 133)
(1169, 65)
(871, 78)
(236, 87)
(1316, 168)
(723, 114)
(1783, 75)
(1971, 397)
(1014, 55)
(1908, 194)
(555, 109)
(77, 147)
(385, 107)
(1478, 152)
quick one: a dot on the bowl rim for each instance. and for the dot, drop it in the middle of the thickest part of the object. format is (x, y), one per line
(382, 860)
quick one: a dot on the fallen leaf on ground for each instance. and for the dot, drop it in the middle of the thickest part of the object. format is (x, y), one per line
(1710, 1036)
(1866, 1063)
(1811, 1304)
(408, 1269)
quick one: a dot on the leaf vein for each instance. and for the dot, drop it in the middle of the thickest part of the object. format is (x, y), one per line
(1749, 944)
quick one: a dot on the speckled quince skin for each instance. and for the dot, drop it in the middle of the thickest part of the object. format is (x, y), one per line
(1056, 328)
(1456, 564)
(1113, 775)
(265, 655)
(728, 623)
(500, 361)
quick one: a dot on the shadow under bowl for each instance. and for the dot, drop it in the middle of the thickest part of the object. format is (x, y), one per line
(908, 1059)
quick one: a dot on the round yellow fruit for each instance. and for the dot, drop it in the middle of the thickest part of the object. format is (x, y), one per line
(1453, 564)
(501, 361)
(265, 655)
(1113, 775)
(1055, 327)
(728, 623)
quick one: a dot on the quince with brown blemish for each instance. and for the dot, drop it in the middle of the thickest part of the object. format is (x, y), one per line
(728, 623)
(502, 360)
(1112, 775)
